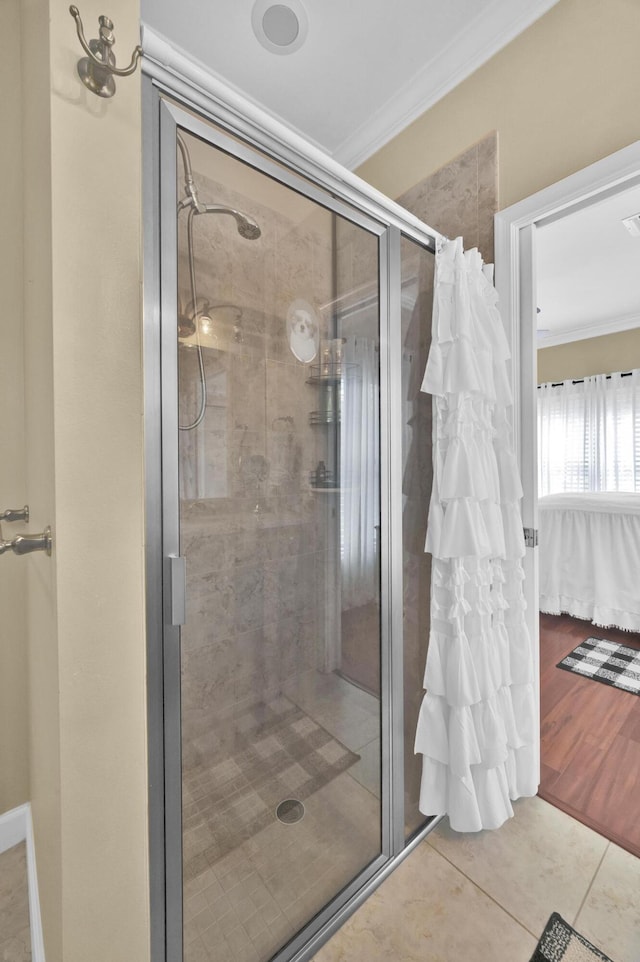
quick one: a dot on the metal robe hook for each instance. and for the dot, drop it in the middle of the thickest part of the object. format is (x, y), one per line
(98, 68)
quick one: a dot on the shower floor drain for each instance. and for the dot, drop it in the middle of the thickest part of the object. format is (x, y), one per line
(290, 811)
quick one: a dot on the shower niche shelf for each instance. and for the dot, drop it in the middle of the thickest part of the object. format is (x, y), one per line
(331, 373)
(324, 417)
(326, 378)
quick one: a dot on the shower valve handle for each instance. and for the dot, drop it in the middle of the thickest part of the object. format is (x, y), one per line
(27, 543)
(16, 514)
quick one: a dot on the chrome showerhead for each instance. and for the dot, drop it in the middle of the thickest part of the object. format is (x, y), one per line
(247, 227)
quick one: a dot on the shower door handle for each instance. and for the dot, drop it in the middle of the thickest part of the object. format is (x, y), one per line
(177, 583)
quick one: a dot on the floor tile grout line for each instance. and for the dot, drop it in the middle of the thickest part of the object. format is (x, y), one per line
(484, 892)
(590, 886)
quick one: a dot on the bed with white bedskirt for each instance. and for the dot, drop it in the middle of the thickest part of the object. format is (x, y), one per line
(590, 557)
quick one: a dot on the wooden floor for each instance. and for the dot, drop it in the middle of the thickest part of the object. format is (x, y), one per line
(590, 737)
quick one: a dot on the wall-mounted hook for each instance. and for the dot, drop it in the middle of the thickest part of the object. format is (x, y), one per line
(98, 68)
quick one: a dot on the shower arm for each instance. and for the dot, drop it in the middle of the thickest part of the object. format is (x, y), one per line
(219, 209)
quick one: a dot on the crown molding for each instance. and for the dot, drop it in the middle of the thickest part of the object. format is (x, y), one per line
(183, 64)
(192, 83)
(483, 37)
(625, 322)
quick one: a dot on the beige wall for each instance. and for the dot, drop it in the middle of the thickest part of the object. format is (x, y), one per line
(593, 355)
(14, 705)
(460, 199)
(84, 476)
(562, 95)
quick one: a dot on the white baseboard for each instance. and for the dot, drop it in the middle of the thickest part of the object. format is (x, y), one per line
(16, 826)
(13, 827)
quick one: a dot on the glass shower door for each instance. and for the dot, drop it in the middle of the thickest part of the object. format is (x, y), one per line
(278, 321)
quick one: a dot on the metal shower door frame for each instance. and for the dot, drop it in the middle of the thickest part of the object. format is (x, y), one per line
(163, 115)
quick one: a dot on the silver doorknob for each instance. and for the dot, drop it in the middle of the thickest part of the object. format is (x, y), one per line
(27, 543)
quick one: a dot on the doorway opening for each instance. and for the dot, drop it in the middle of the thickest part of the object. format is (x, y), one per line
(567, 266)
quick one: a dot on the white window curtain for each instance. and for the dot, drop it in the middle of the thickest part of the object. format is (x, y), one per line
(477, 724)
(359, 483)
(589, 434)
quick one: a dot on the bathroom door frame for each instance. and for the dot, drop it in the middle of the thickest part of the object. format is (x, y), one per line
(169, 102)
(516, 283)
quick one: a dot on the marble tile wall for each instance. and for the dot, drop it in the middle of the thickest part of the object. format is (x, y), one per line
(253, 534)
(257, 577)
(460, 199)
(417, 268)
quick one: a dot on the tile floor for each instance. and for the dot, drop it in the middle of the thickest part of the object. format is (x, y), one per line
(244, 905)
(483, 897)
(231, 790)
(488, 896)
(15, 937)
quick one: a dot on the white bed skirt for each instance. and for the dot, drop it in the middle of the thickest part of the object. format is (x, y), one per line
(590, 557)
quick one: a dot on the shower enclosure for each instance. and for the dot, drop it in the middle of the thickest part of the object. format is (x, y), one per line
(289, 465)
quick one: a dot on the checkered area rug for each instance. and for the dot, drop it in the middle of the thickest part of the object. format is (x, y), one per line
(561, 943)
(607, 661)
(231, 791)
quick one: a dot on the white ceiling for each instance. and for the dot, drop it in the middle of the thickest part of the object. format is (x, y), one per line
(366, 70)
(367, 67)
(589, 271)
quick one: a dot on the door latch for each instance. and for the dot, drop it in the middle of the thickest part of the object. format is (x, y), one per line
(530, 537)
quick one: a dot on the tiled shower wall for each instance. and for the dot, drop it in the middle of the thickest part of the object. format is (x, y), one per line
(257, 609)
(460, 199)
(252, 532)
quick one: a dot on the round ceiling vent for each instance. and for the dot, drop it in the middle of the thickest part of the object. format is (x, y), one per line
(280, 27)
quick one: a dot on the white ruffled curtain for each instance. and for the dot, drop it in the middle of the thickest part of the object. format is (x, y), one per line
(477, 724)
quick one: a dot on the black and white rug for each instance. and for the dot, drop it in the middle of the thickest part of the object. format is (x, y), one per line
(606, 661)
(561, 943)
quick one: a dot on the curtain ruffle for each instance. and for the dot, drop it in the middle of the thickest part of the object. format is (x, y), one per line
(476, 727)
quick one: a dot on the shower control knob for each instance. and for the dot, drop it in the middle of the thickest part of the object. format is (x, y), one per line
(28, 543)
(16, 514)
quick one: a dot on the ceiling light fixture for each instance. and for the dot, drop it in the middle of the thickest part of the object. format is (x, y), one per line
(280, 27)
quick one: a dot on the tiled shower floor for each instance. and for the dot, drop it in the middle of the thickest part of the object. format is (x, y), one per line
(243, 905)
